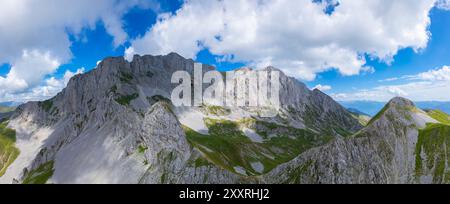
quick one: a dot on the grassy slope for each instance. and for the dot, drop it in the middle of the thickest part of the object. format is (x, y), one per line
(433, 148)
(126, 99)
(40, 175)
(8, 151)
(362, 119)
(228, 147)
(216, 110)
(434, 143)
(378, 115)
(440, 116)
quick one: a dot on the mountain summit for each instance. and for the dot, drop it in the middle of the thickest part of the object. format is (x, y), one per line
(390, 149)
(116, 124)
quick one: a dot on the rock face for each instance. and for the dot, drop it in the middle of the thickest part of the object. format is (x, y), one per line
(115, 124)
(314, 109)
(383, 152)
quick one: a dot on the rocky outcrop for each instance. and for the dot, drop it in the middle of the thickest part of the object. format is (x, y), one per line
(315, 110)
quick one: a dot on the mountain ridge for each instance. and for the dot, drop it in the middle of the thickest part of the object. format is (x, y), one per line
(373, 107)
(115, 124)
(383, 152)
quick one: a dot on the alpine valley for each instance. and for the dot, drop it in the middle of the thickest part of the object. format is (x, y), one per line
(116, 124)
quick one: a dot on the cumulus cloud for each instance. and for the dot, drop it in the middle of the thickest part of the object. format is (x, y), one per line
(34, 34)
(45, 24)
(49, 88)
(322, 87)
(443, 4)
(438, 74)
(442, 74)
(432, 85)
(28, 71)
(298, 37)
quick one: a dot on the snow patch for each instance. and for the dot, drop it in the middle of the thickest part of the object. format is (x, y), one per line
(257, 166)
(240, 170)
(193, 119)
(268, 156)
(421, 119)
(206, 148)
(254, 137)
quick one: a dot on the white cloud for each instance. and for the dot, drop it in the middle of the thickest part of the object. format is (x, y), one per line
(34, 34)
(439, 74)
(28, 71)
(61, 83)
(394, 90)
(322, 87)
(48, 89)
(443, 4)
(389, 79)
(432, 85)
(368, 69)
(442, 74)
(295, 36)
(44, 25)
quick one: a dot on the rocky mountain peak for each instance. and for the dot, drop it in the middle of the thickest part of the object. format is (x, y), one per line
(401, 102)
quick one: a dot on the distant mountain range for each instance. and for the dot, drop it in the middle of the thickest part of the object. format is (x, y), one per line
(357, 112)
(5, 109)
(10, 104)
(5, 112)
(372, 107)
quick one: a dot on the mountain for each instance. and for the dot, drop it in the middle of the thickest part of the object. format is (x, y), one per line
(116, 124)
(373, 107)
(401, 144)
(357, 112)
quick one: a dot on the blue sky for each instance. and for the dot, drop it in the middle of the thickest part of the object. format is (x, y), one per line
(342, 57)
